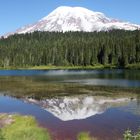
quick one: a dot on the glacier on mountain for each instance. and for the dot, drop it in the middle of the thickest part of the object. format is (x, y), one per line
(66, 18)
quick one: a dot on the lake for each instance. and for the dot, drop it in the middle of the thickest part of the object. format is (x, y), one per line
(104, 103)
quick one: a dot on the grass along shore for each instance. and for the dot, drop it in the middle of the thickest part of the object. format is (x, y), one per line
(90, 67)
(49, 67)
(53, 67)
(15, 127)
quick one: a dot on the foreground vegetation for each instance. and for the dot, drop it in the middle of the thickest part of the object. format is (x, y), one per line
(128, 135)
(85, 136)
(23, 128)
(17, 127)
(114, 48)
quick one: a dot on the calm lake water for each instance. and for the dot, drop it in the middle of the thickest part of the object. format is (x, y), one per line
(71, 101)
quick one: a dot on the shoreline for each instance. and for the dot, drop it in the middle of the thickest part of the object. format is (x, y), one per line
(52, 67)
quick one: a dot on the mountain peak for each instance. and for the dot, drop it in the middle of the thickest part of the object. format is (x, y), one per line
(65, 18)
(73, 11)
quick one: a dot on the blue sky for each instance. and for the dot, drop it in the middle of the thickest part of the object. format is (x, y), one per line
(17, 13)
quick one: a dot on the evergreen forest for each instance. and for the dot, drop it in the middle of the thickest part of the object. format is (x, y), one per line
(116, 47)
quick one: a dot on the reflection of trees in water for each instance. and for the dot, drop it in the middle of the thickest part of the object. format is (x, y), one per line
(135, 106)
(122, 74)
(138, 100)
(131, 74)
(37, 88)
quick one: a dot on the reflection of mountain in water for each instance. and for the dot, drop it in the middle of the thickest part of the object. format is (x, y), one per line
(78, 107)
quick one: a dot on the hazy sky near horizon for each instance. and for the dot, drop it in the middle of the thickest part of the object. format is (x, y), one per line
(17, 13)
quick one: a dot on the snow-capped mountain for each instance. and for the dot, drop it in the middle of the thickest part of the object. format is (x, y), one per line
(66, 18)
(78, 107)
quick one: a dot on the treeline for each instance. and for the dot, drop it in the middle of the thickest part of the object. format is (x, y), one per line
(116, 47)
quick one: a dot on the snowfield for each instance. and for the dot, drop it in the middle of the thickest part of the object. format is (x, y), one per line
(65, 19)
